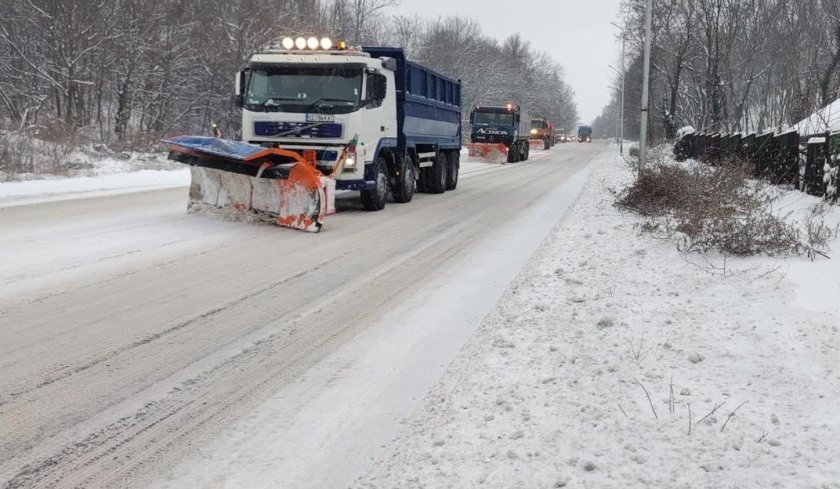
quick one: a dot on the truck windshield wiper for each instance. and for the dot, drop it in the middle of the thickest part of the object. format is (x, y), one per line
(274, 99)
(270, 104)
(327, 99)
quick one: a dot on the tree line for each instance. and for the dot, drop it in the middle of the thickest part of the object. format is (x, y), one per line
(126, 72)
(728, 65)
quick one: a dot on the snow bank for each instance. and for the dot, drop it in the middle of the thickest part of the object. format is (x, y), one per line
(614, 361)
(684, 131)
(824, 120)
(48, 190)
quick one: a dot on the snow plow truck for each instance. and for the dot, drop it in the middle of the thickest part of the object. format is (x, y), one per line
(542, 133)
(319, 117)
(499, 133)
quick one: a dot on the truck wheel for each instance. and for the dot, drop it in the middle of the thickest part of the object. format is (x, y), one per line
(403, 188)
(454, 168)
(527, 151)
(513, 153)
(437, 175)
(547, 143)
(374, 200)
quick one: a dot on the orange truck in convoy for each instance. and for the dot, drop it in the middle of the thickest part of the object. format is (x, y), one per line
(542, 132)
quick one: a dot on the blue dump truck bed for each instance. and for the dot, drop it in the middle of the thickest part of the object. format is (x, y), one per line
(428, 103)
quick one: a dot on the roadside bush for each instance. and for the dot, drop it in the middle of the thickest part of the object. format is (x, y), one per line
(818, 234)
(23, 154)
(712, 209)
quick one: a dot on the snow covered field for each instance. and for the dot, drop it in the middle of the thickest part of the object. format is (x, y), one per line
(615, 361)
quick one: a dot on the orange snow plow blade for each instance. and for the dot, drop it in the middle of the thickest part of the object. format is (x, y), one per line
(493, 152)
(275, 185)
(537, 144)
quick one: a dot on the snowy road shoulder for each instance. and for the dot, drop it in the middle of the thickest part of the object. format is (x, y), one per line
(55, 189)
(613, 362)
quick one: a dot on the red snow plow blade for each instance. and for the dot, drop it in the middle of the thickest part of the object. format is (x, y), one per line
(494, 152)
(280, 186)
(538, 144)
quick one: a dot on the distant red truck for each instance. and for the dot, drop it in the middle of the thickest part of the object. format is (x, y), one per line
(543, 130)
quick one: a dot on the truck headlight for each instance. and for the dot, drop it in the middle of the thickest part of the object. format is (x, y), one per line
(350, 162)
(533, 131)
(288, 43)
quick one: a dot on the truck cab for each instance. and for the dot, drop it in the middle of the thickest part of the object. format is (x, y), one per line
(505, 127)
(585, 134)
(306, 94)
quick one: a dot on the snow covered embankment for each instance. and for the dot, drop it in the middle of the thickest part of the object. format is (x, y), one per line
(553, 390)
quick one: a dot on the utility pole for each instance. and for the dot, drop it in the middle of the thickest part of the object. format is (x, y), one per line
(622, 74)
(645, 90)
(623, 71)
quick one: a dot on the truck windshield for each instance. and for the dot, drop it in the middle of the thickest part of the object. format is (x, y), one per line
(537, 124)
(300, 89)
(502, 118)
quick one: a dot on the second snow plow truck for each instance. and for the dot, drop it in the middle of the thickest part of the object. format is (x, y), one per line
(319, 117)
(542, 133)
(499, 133)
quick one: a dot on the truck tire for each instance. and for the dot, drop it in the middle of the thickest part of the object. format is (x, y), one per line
(374, 200)
(454, 168)
(513, 153)
(527, 151)
(437, 175)
(403, 188)
(547, 143)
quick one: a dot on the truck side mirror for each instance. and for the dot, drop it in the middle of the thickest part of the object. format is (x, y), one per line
(240, 83)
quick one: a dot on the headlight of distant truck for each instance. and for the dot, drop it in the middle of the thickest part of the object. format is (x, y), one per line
(533, 131)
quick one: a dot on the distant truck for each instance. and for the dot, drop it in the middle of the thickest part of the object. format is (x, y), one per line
(585, 134)
(542, 130)
(560, 135)
(500, 133)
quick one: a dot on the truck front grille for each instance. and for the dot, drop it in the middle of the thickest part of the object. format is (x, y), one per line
(301, 129)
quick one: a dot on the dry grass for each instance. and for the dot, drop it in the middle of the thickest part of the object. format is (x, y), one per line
(711, 209)
(818, 234)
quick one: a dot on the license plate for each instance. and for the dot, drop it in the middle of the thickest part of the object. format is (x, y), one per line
(320, 118)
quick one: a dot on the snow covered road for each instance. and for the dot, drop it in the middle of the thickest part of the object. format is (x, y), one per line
(142, 346)
(614, 361)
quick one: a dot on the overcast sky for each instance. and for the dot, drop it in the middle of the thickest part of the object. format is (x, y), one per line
(577, 33)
